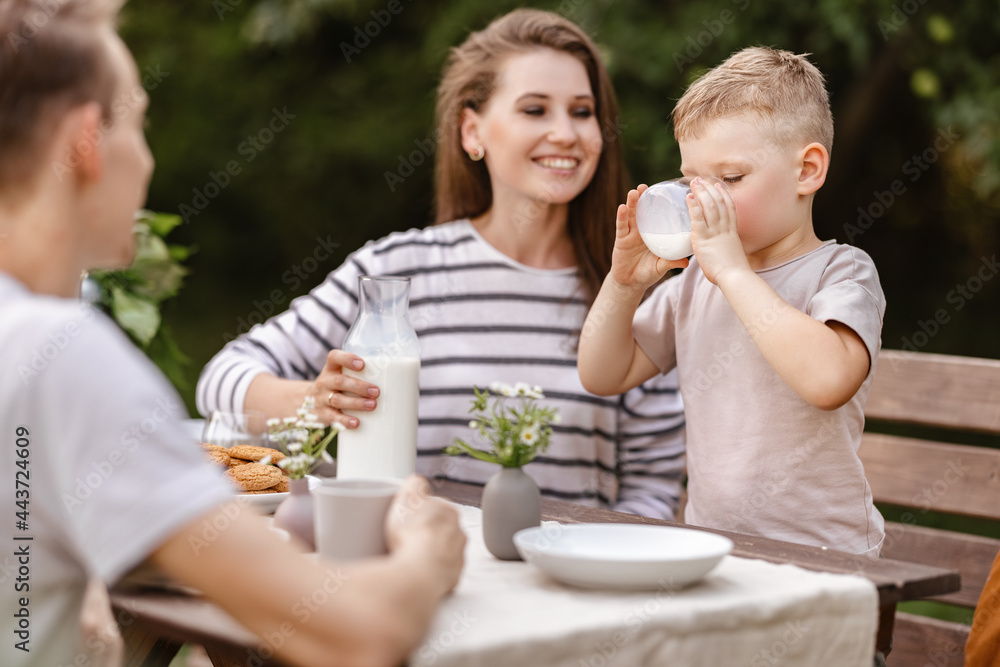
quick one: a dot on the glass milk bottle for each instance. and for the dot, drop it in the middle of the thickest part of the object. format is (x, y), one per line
(385, 442)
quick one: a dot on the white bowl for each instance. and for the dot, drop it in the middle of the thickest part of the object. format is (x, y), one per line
(619, 555)
(268, 502)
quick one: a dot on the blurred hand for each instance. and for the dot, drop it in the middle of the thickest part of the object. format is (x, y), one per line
(632, 264)
(714, 233)
(427, 529)
(334, 392)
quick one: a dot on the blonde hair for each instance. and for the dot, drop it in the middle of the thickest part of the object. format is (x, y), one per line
(785, 91)
(53, 57)
(462, 187)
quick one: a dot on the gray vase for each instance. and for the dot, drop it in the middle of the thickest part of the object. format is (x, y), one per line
(510, 502)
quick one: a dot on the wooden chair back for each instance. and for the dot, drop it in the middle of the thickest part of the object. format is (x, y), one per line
(943, 394)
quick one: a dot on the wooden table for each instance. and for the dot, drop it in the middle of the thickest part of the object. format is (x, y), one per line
(156, 624)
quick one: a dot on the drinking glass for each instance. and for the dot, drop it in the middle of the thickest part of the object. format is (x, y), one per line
(350, 516)
(663, 219)
(229, 429)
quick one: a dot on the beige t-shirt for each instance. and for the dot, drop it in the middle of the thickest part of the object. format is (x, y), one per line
(760, 459)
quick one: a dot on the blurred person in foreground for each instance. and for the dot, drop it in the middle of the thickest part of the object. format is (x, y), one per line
(529, 171)
(983, 646)
(104, 475)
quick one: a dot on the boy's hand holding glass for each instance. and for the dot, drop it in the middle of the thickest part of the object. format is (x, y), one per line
(714, 233)
(632, 263)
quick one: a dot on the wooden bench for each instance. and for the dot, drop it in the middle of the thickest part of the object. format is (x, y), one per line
(952, 395)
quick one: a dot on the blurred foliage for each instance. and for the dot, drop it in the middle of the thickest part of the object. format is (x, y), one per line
(276, 123)
(132, 296)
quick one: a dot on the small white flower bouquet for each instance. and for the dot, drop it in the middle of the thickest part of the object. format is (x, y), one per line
(516, 433)
(303, 438)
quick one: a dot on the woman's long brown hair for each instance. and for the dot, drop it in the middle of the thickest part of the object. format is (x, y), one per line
(462, 187)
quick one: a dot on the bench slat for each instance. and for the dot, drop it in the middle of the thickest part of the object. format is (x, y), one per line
(971, 555)
(936, 390)
(957, 479)
(919, 641)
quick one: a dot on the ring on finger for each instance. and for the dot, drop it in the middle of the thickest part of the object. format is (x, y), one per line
(329, 399)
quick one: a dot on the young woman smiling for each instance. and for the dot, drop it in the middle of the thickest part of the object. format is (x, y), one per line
(529, 175)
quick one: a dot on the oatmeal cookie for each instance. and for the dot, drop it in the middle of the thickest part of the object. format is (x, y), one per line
(254, 476)
(282, 486)
(222, 458)
(254, 453)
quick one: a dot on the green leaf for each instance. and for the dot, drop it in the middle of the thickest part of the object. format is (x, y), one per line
(138, 316)
(179, 253)
(460, 447)
(161, 280)
(149, 247)
(160, 223)
(166, 354)
(326, 443)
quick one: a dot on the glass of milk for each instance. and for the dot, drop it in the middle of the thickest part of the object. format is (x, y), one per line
(664, 220)
(385, 442)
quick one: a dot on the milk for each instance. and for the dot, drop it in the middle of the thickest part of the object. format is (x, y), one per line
(385, 442)
(668, 246)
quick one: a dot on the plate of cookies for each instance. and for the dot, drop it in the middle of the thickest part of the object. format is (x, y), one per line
(263, 485)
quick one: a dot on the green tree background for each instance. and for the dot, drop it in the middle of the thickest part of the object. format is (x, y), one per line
(283, 128)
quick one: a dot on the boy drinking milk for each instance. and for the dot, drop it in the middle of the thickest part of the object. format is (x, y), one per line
(774, 333)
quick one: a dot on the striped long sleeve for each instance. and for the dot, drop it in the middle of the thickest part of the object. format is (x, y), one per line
(480, 317)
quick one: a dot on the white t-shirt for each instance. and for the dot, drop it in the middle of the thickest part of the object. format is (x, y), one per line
(760, 459)
(107, 473)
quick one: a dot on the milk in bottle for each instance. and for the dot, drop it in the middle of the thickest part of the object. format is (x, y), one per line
(385, 442)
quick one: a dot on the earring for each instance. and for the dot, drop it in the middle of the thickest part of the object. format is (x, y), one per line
(477, 153)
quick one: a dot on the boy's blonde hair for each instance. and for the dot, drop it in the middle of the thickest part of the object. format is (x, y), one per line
(784, 90)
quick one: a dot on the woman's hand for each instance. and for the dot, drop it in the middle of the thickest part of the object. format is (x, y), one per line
(632, 264)
(714, 234)
(334, 392)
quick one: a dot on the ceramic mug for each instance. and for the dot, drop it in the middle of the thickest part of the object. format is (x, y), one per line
(350, 516)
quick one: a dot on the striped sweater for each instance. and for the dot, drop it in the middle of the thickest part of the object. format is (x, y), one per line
(481, 316)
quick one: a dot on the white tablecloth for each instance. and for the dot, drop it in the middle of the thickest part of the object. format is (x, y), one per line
(745, 612)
